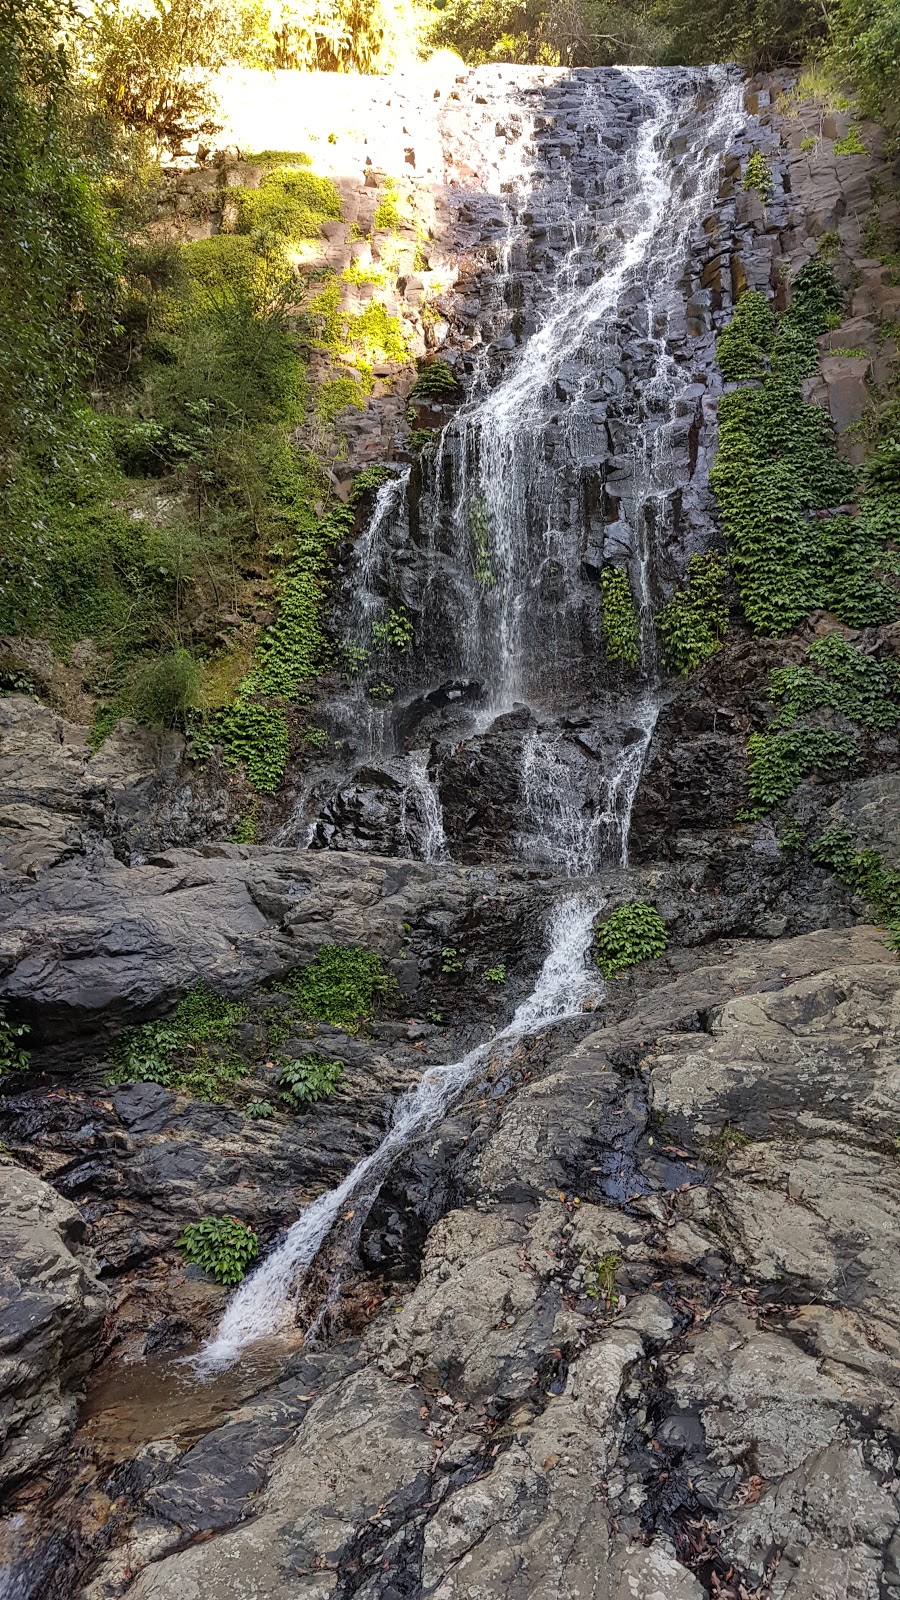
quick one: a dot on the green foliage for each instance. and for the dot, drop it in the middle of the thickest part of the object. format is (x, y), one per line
(396, 631)
(584, 34)
(244, 830)
(223, 1246)
(866, 874)
(435, 381)
(851, 144)
(259, 1110)
(374, 332)
(630, 934)
(308, 1079)
(600, 1279)
(388, 214)
(779, 760)
(828, 244)
(758, 175)
(368, 482)
(343, 986)
(838, 676)
(165, 690)
(13, 1055)
(694, 622)
(777, 467)
(621, 635)
(865, 46)
(479, 527)
(287, 207)
(496, 974)
(451, 962)
(758, 33)
(194, 1050)
(336, 395)
(357, 273)
(743, 348)
(256, 737)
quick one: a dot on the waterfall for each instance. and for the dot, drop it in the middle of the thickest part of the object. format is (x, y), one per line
(589, 184)
(262, 1304)
(428, 831)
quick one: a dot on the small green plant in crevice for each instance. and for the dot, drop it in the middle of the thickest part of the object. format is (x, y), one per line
(851, 144)
(726, 1142)
(694, 622)
(435, 381)
(600, 1277)
(395, 632)
(381, 692)
(758, 175)
(308, 1079)
(244, 830)
(344, 986)
(223, 1246)
(828, 244)
(496, 974)
(193, 1051)
(621, 634)
(811, 142)
(866, 873)
(632, 933)
(13, 1055)
(451, 961)
(388, 216)
(259, 1110)
(369, 481)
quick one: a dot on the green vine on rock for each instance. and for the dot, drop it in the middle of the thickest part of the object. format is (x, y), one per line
(630, 934)
(621, 633)
(694, 622)
(783, 492)
(758, 176)
(779, 760)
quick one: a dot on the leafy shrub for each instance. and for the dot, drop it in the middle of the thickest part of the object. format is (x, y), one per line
(435, 381)
(396, 631)
(193, 1050)
(758, 175)
(308, 1079)
(630, 934)
(259, 1110)
(244, 830)
(694, 622)
(621, 635)
(223, 1246)
(13, 1056)
(343, 985)
(496, 974)
(162, 692)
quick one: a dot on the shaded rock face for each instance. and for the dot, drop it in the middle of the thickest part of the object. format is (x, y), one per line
(622, 1325)
(51, 1308)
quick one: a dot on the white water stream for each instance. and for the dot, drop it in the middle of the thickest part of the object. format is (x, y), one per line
(262, 1304)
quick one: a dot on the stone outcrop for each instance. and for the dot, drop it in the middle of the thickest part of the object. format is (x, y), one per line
(51, 1309)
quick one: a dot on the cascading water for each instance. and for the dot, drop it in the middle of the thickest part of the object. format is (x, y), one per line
(570, 452)
(262, 1305)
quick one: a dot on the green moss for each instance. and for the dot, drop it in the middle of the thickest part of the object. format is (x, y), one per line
(694, 622)
(287, 206)
(621, 636)
(388, 215)
(356, 273)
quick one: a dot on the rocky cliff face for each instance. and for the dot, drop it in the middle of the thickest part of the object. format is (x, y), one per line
(615, 1316)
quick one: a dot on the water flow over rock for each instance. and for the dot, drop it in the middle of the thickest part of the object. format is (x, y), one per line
(577, 198)
(262, 1306)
